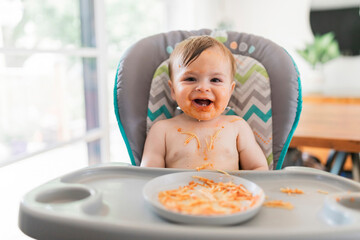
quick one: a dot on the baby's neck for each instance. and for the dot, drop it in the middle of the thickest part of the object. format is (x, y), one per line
(205, 123)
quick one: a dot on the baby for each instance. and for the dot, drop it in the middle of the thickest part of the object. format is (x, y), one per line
(202, 73)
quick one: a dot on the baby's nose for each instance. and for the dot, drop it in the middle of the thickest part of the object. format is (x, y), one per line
(203, 87)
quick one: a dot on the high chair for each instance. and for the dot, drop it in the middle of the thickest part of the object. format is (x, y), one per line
(267, 92)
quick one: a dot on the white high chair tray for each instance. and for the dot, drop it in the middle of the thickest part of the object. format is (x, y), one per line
(106, 202)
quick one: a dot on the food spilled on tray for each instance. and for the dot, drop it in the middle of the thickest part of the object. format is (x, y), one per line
(290, 191)
(322, 192)
(207, 197)
(278, 204)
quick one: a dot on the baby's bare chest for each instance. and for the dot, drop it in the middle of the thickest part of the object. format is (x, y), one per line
(189, 148)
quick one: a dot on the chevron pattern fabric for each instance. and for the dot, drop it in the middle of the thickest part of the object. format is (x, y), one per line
(161, 106)
(251, 100)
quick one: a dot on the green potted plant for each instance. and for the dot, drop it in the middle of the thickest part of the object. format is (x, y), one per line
(323, 49)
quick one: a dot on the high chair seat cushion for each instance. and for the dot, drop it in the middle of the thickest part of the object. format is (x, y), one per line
(140, 62)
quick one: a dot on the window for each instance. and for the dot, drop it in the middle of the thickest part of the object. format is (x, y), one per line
(58, 62)
(127, 21)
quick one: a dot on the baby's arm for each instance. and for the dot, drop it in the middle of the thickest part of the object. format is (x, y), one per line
(250, 154)
(154, 150)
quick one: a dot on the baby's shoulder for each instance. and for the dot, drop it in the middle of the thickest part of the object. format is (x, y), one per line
(164, 124)
(233, 119)
(161, 123)
(236, 123)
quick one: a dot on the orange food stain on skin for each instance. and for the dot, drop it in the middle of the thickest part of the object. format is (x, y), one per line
(208, 147)
(235, 119)
(188, 140)
(213, 139)
(192, 135)
(204, 166)
(205, 154)
(201, 113)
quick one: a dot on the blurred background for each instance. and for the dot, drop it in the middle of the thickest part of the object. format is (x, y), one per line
(58, 61)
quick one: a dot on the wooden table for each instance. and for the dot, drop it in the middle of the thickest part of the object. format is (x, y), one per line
(334, 126)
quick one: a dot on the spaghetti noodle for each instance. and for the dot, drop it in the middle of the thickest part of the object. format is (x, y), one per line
(208, 198)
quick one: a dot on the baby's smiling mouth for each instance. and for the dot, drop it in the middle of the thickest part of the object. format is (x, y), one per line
(202, 102)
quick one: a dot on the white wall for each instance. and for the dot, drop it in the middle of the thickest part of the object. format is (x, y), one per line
(192, 14)
(285, 22)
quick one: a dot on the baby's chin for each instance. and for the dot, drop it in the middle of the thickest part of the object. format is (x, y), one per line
(203, 112)
(203, 116)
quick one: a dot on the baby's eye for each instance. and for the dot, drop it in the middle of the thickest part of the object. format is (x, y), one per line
(190, 79)
(215, 80)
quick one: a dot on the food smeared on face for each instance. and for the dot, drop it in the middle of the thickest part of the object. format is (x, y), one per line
(202, 89)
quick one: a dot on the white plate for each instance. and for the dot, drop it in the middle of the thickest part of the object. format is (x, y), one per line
(175, 180)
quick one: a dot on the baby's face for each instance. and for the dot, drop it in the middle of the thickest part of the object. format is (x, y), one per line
(203, 89)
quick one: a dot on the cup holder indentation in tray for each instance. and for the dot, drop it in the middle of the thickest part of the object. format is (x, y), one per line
(63, 195)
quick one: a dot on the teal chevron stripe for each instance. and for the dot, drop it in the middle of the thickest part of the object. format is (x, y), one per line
(160, 70)
(254, 109)
(231, 112)
(157, 113)
(255, 67)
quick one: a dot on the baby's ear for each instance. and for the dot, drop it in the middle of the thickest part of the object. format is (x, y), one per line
(171, 89)
(232, 86)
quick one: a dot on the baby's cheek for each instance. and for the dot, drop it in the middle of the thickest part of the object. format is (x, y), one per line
(222, 101)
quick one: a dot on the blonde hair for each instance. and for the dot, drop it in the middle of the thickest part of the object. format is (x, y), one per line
(190, 49)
